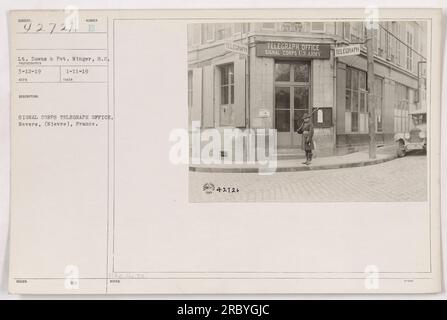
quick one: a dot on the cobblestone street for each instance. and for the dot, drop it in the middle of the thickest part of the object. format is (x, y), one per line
(403, 179)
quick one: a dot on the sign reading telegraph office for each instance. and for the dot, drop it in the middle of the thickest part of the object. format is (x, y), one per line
(278, 49)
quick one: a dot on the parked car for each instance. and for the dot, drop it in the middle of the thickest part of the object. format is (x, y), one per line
(416, 138)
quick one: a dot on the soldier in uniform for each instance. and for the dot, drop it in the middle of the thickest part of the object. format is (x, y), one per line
(307, 130)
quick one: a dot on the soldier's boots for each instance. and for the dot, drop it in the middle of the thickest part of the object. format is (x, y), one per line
(310, 159)
(307, 159)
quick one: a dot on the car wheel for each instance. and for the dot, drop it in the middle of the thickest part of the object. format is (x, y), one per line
(401, 152)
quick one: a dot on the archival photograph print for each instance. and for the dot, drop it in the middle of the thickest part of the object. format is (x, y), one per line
(308, 111)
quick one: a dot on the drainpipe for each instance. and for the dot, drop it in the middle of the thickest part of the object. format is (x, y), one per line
(247, 81)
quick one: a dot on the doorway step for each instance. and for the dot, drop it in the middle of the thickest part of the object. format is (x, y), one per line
(290, 153)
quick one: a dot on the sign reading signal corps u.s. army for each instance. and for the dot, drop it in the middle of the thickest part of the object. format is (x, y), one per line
(277, 49)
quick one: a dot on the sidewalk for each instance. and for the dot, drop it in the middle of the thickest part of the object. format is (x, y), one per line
(356, 159)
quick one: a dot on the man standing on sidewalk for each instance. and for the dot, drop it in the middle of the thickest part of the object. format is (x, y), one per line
(307, 144)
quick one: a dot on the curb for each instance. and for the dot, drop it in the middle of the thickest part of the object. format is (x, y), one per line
(294, 169)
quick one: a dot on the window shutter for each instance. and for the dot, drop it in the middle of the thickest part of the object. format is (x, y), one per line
(239, 92)
(196, 108)
(208, 97)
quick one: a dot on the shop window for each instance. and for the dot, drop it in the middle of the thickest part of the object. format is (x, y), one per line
(356, 100)
(227, 95)
(354, 121)
(378, 93)
(362, 92)
(401, 109)
(348, 89)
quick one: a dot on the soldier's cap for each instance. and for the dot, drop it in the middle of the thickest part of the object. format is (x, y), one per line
(306, 115)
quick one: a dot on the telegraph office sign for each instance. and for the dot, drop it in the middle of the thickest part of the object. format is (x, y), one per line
(351, 50)
(286, 49)
(236, 47)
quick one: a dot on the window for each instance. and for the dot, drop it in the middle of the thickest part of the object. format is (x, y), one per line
(223, 31)
(301, 72)
(401, 109)
(409, 48)
(282, 72)
(388, 40)
(398, 45)
(226, 94)
(317, 27)
(193, 34)
(382, 40)
(356, 100)
(237, 28)
(378, 96)
(292, 72)
(347, 30)
(357, 32)
(207, 32)
(348, 88)
(189, 89)
(393, 42)
(376, 40)
(339, 29)
(245, 27)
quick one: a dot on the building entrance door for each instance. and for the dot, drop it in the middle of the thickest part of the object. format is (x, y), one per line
(292, 99)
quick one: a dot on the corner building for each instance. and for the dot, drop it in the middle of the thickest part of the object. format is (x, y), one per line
(267, 75)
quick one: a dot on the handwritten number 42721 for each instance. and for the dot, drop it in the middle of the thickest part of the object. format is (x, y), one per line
(50, 27)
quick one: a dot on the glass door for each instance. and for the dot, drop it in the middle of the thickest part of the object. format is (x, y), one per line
(292, 90)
